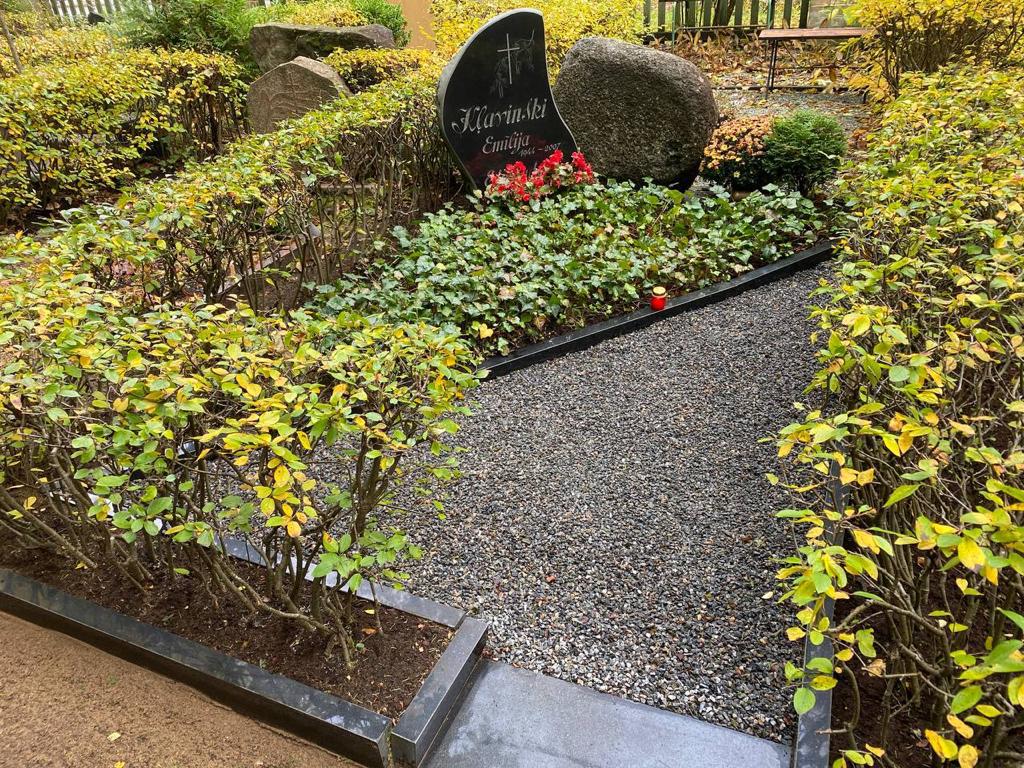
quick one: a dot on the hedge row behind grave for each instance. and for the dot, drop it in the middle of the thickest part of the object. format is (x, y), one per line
(296, 205)
(564, 23)
(924, 368)
(363, 67)
(64, 44)
(70, 131)
(224, 25)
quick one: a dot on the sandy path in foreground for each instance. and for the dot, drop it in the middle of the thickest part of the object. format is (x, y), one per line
(61, 701)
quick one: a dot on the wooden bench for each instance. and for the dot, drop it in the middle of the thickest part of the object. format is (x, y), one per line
(775, 36)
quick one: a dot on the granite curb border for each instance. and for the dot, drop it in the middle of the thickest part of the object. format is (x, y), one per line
(582, 338)
(328, 721)
(812, 741)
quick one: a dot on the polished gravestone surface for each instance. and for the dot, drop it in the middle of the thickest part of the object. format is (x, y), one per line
(494, 98)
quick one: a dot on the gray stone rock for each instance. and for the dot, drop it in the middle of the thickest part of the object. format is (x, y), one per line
(275, 43)
(636, 112)
(290, 90)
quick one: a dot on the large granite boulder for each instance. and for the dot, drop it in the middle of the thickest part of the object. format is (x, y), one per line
(274, 44)
(636, 112)
(290, 90)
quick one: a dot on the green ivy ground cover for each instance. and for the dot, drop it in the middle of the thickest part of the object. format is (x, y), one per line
(509, 277)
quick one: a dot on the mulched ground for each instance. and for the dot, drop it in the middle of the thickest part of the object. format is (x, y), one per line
(388, 673)
(738, 71)
(613, 521)
(64, 704)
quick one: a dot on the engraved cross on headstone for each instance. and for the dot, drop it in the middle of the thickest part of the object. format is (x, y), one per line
(507, 50)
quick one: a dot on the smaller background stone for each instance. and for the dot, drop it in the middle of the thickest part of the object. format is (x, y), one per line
(275, 43)
(291, 90)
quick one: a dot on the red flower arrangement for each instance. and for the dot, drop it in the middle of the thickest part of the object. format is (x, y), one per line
(516, 184)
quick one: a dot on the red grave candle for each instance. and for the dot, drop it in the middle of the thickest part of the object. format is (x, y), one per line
(658, 297)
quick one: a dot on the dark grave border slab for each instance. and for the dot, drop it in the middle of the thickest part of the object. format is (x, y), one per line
(328, 721)
(812, 742)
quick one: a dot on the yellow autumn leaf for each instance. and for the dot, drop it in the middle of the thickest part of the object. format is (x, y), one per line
(960, 726)
(943, 747)
(970, 554)
(282, 476)
(865, 540)
(968, 757)
(484, 331)
(294, 529)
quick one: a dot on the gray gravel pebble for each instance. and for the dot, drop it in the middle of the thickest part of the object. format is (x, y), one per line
(613, 522)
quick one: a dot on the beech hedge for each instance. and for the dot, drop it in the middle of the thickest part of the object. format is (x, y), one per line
(64, 44)
(923, 372)
(300, 204)
(70, 131)
(564, 23)
(134, 440)
(363, 67)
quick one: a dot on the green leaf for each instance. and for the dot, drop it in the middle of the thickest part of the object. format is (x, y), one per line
(901, 493)
(803, 700)
(965, 699)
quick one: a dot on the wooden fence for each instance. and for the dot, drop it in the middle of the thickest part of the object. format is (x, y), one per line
(73, 10)
(744, 15)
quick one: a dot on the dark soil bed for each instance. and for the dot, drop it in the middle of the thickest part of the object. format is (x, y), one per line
(390, 669)
(906, 745)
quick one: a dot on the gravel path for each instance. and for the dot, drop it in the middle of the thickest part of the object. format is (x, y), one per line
(613, 522)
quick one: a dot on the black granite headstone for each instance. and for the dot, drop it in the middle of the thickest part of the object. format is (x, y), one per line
(494, 99)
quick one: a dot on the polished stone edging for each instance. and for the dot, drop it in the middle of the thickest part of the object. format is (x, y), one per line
(326, 720)
(812, 741)
(581, 339)
(431, 707)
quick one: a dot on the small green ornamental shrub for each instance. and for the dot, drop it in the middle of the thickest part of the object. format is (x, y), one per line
(801, 150)
(506, 277)
(804, 149)
(387, 14)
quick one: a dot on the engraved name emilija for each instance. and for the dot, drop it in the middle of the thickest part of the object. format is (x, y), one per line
(476, 120)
